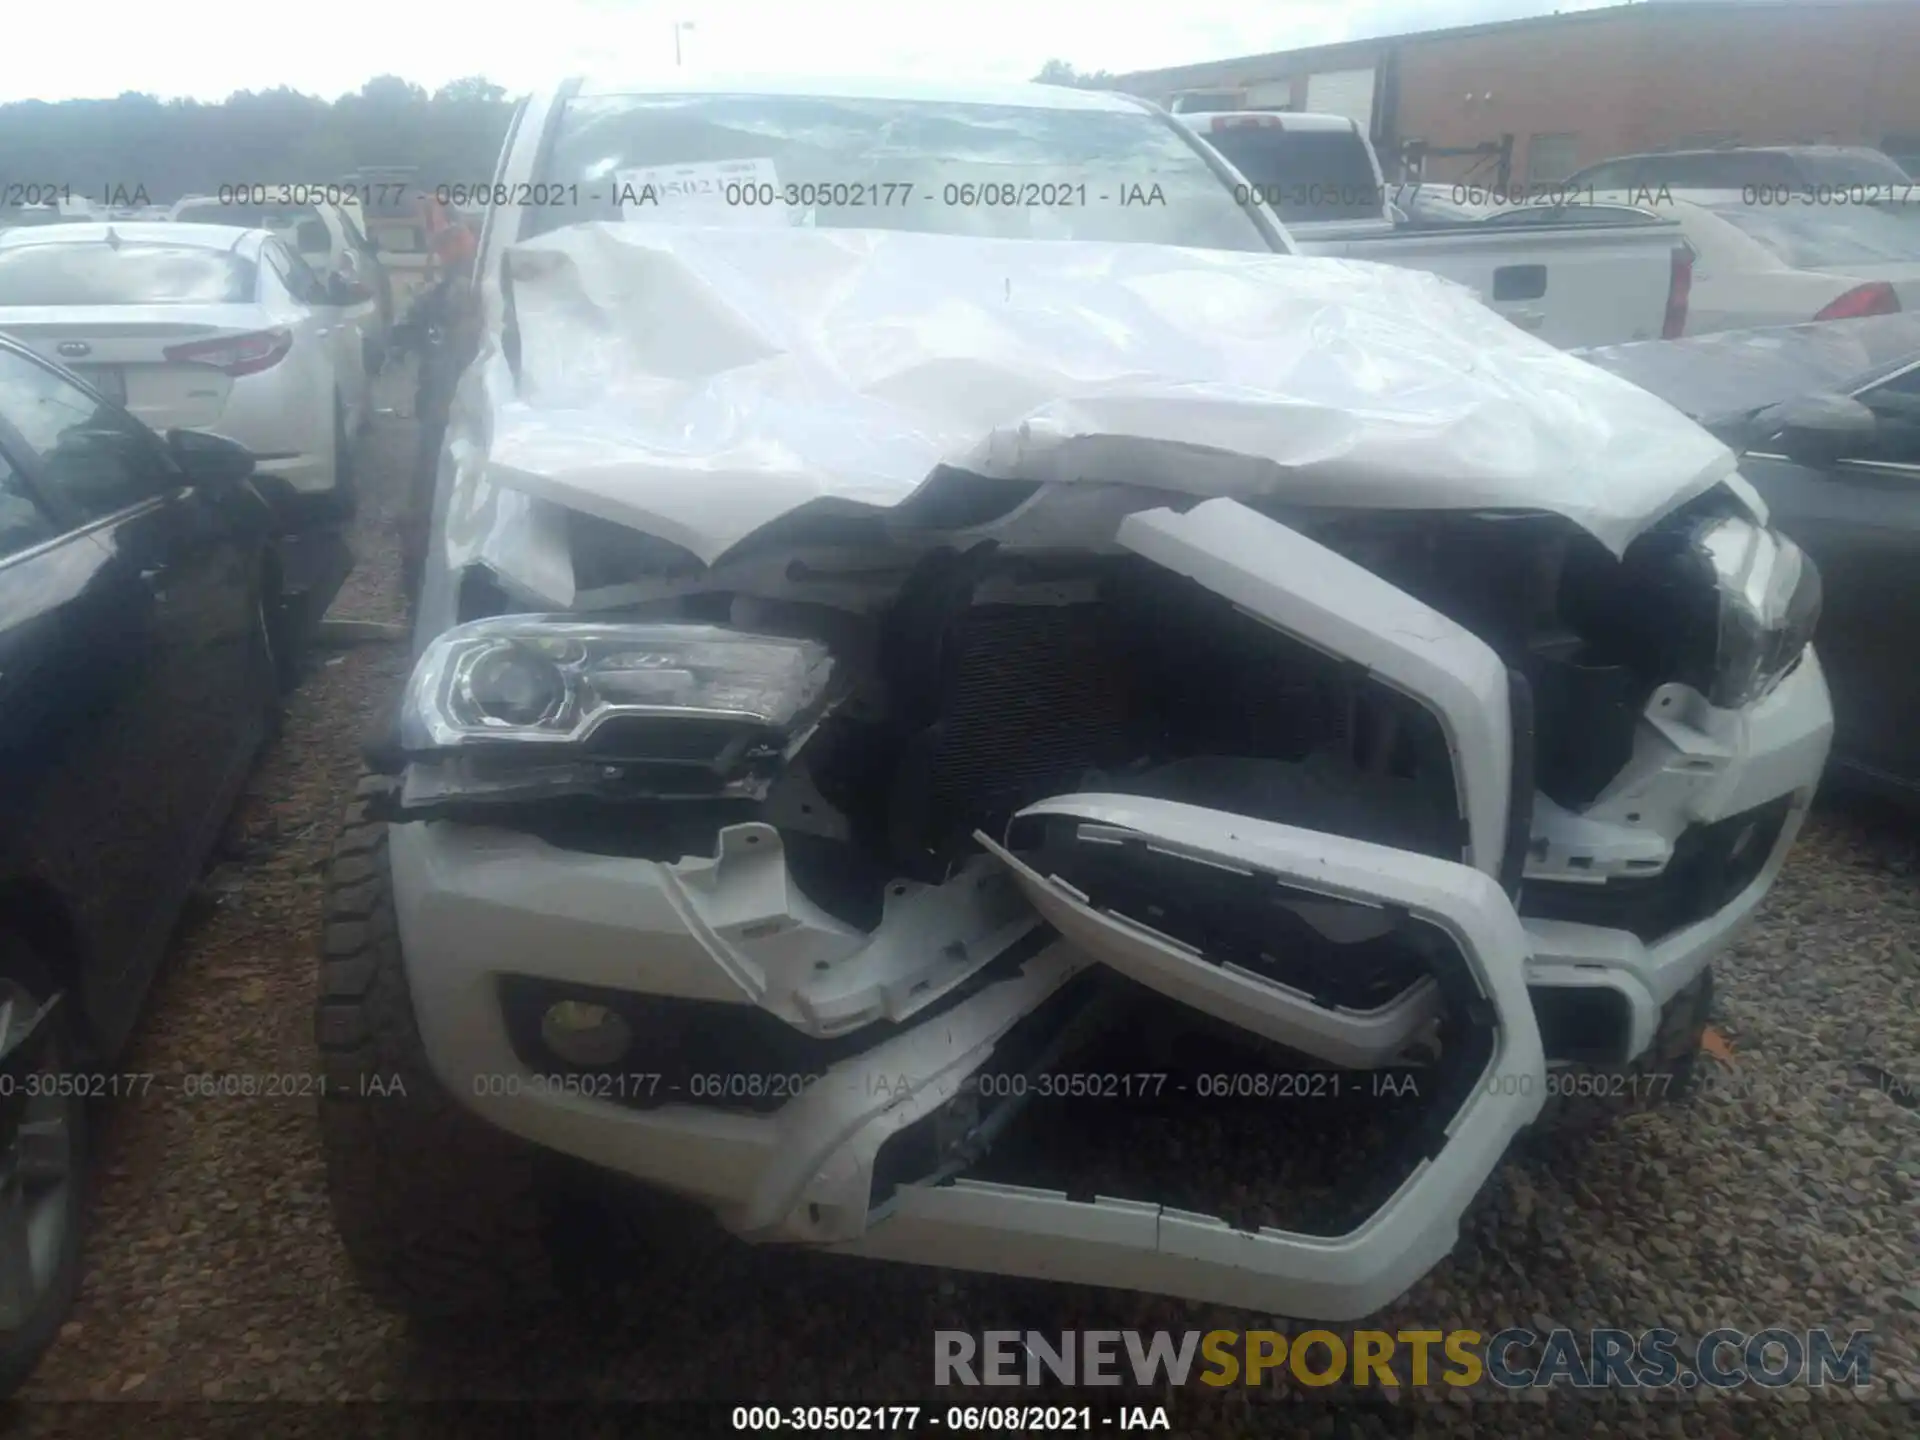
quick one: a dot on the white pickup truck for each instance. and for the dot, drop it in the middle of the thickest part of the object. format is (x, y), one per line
(1596, 277)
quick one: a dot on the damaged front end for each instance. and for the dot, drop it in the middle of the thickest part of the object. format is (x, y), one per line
(882, 865)
(866, 858)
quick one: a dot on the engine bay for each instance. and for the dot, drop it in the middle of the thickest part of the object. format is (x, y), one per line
(978, 676)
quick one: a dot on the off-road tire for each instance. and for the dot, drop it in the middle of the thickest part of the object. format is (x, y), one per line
(415, 519)
(441, 1214)
(1663, 1075)
(20, 1350)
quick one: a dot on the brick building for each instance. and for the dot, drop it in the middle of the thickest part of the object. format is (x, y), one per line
(1575, 88)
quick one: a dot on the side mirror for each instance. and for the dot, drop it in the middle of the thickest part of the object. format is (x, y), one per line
(1817, 429)
(212, 462)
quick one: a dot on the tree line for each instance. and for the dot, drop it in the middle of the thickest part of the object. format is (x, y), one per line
(139, 149)
(1059, 72)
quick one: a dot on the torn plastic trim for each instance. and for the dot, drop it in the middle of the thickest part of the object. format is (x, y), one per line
(1691, 764)
(955, 1136)
(1668, 965)
(719, 1056)
(1357, 1039)
(731, 926)
(818, 1183)
(1278, 575)
(790, 956)
(1641, 1009)
(1353, 871)
(455, 787)
(1141, 1245)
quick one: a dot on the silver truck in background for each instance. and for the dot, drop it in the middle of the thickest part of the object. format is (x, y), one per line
(1571, 281)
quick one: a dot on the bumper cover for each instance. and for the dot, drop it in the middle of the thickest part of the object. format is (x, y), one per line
(805, 1173)
(475, 904)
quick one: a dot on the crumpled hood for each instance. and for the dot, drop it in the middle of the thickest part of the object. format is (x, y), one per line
(700, 383)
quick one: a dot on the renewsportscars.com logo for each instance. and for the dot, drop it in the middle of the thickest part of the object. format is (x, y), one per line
(1515, 1359)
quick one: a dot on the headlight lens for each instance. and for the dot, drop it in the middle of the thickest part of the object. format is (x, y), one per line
(550, 680)
(1769, 604)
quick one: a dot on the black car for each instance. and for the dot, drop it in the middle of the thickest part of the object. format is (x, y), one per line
(137, 681)
(1828, 416)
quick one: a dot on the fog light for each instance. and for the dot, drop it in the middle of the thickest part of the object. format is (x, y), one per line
(585, 1034)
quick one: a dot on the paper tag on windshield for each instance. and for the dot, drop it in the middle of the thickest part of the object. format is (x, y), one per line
(715, 192)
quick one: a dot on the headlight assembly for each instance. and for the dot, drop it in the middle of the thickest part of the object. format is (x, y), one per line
(1769, 604)
(1717, 602)
(613, 690)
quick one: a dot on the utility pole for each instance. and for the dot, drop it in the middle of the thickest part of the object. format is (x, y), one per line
(678, 26)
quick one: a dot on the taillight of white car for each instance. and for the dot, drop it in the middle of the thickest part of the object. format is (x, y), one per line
(236, 355)
(1679, 292)
(1876, 297)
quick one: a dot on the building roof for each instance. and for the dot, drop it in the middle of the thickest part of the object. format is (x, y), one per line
(954, 91)
(1356, 53)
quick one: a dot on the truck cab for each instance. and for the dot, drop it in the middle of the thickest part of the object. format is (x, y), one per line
(1314, 171)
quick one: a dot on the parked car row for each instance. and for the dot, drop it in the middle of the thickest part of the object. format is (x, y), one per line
(1759, 264)
(178, 402)
(144, 641)
(1562, 278)
(205, 327)
(1780, 234)
(1635, 248)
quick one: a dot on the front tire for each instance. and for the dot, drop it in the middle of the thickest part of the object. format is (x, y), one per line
(442, 1215)
(343, 499)
(43, 1147)
(415, 520)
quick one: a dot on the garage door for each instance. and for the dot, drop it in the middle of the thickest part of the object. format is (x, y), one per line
(1342, 92)
(1270, 95)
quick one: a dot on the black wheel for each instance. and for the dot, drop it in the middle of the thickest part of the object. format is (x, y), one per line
(43, 1135)
(279, 646)
(1587, 1098)
(442, 1216)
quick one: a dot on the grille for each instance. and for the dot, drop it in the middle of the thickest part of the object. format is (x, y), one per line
(1040, 694)
(1025, 701)
(1231, 919)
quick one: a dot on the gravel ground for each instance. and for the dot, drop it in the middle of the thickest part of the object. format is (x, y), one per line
(1786, 1194)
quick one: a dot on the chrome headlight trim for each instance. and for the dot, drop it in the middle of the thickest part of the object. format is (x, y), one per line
(1769, 596)
(553, 680)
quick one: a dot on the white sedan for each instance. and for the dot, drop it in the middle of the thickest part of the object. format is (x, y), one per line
(202, 327)
(331, 238)
(1758, 265)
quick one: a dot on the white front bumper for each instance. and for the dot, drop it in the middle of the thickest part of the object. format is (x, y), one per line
(1692, 765)
(477, 904)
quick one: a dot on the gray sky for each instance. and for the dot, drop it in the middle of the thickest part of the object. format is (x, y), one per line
(208, 48)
